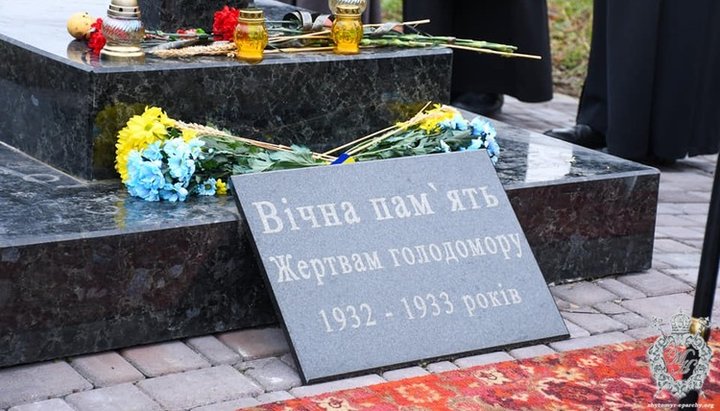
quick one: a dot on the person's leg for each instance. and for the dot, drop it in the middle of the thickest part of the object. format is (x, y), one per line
(446, 20)
(592, 114)
(686, 104)
(593, 100)
(632, 47)
(521, 23)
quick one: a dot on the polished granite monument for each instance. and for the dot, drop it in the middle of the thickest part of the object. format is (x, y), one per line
(85, 268)
(55, 99)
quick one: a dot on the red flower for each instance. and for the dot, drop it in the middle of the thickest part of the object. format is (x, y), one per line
(225, 22)
(97, 40)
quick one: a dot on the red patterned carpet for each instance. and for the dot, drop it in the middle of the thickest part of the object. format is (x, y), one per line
(613, 377)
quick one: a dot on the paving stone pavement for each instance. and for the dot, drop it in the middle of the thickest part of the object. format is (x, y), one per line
(245, 368)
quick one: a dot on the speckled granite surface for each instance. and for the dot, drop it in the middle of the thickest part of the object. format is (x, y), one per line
(84, 268)
(54, 98)
(169, 15)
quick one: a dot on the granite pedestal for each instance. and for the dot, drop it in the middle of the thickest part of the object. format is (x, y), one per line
(84, 268)
(55, 99)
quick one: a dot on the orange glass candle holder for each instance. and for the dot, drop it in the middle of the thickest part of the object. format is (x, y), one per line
(251, 35)
(347, 30)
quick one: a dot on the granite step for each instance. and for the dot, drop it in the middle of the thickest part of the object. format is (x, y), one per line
(84, 268)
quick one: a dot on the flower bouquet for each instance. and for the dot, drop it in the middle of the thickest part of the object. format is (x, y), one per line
(159, 158)
(441, 129)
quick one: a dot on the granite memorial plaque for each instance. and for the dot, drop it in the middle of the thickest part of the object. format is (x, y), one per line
(388, 263)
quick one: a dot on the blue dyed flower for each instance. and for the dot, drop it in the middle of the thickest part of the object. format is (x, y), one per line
(493, 151)
(458, 122)
(482, 127)
(207, 188)
(195, 146)
(181, 168)
(173, 192)
(145, 177)
(180, 160)
(176, 147)
(475, 144)
(152, 152)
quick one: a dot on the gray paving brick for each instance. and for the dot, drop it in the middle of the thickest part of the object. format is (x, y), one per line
(257, 343)
(288, 359)
(673, 246)
(703, 196)
(579, 309)
(32, 383)
(654, 283)
(592, 341)
(575, 330)
(401, 374)
(678, 232)
(272, 374)
(583, 293)
(685, 180)
(659, 265)
(55, 404)
(124, 397)
(564, 305)
(680, 196)
(668, 208)
(332, 386)
(106, 369)
(276, 396)
(442, 366)
(622, 290)
(166, 358)
(610, 307)
(697, 208)
(197, 388)
(699, 219)
(687, 275)
(678, 260)
(665, 220)
(663, 307)
(642, 333)
(531, 352)
(632, 320)
(483, 359)
(595, 323)
(230, 405)
(215, 351)
(694, 243)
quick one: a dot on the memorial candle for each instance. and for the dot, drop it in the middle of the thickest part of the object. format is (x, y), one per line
(347, 30)
(251, 36)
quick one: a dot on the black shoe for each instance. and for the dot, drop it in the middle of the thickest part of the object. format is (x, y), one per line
(579, 134)
(486, 104)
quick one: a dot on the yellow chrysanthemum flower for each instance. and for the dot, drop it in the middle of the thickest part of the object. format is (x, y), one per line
(138, 134)
(188, 135)
(220, 187)
(431, 123)
(157, 114)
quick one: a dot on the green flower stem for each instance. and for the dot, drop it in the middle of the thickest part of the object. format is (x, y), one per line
(442, 40)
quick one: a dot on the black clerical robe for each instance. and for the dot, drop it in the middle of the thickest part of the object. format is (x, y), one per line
(523, 23)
